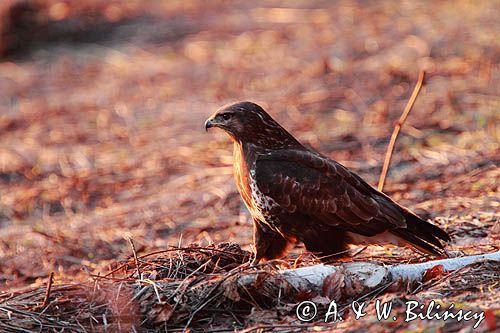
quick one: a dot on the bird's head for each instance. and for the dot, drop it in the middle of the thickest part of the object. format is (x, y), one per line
(247, 122)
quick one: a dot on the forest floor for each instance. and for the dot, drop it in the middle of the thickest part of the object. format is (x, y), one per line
(102, 107)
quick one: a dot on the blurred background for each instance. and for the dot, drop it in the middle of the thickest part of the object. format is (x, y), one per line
(102, 105)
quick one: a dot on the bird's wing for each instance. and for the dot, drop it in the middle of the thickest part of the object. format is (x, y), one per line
(306, 182)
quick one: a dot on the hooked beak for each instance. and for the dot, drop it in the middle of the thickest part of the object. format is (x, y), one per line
(209, 123)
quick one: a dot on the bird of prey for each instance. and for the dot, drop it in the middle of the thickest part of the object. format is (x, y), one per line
(297, 194)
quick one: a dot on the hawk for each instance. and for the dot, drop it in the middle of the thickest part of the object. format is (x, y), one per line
(297, 194)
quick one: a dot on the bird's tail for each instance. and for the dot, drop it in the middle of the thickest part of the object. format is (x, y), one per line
(422, 235)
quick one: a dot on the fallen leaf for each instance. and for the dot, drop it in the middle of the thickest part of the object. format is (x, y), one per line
(490, 320)
(332, 285)
(433, 273)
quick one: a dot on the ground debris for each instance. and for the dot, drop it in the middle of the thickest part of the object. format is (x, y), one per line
(198, 298)
(102, 106)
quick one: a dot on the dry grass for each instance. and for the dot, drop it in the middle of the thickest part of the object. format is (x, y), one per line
(198, 288)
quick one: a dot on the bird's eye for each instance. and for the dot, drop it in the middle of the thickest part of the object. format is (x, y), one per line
(226, 116)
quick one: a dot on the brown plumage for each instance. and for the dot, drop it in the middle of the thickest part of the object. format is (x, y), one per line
(296, 194)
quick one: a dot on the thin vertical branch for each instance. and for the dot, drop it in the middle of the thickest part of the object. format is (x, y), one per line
(47, 291)
(397, 129)
(136, 259)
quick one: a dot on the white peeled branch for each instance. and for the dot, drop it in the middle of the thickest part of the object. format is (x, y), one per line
(356, 278)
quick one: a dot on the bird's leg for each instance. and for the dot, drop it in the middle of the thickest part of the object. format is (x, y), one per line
(268, 244)
(258, 244)
(328, 246)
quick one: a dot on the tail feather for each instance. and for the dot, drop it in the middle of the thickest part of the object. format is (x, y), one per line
(422, 234)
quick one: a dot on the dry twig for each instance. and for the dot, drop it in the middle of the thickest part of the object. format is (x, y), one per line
(47, 291)
(397, 129)
(136, 260)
